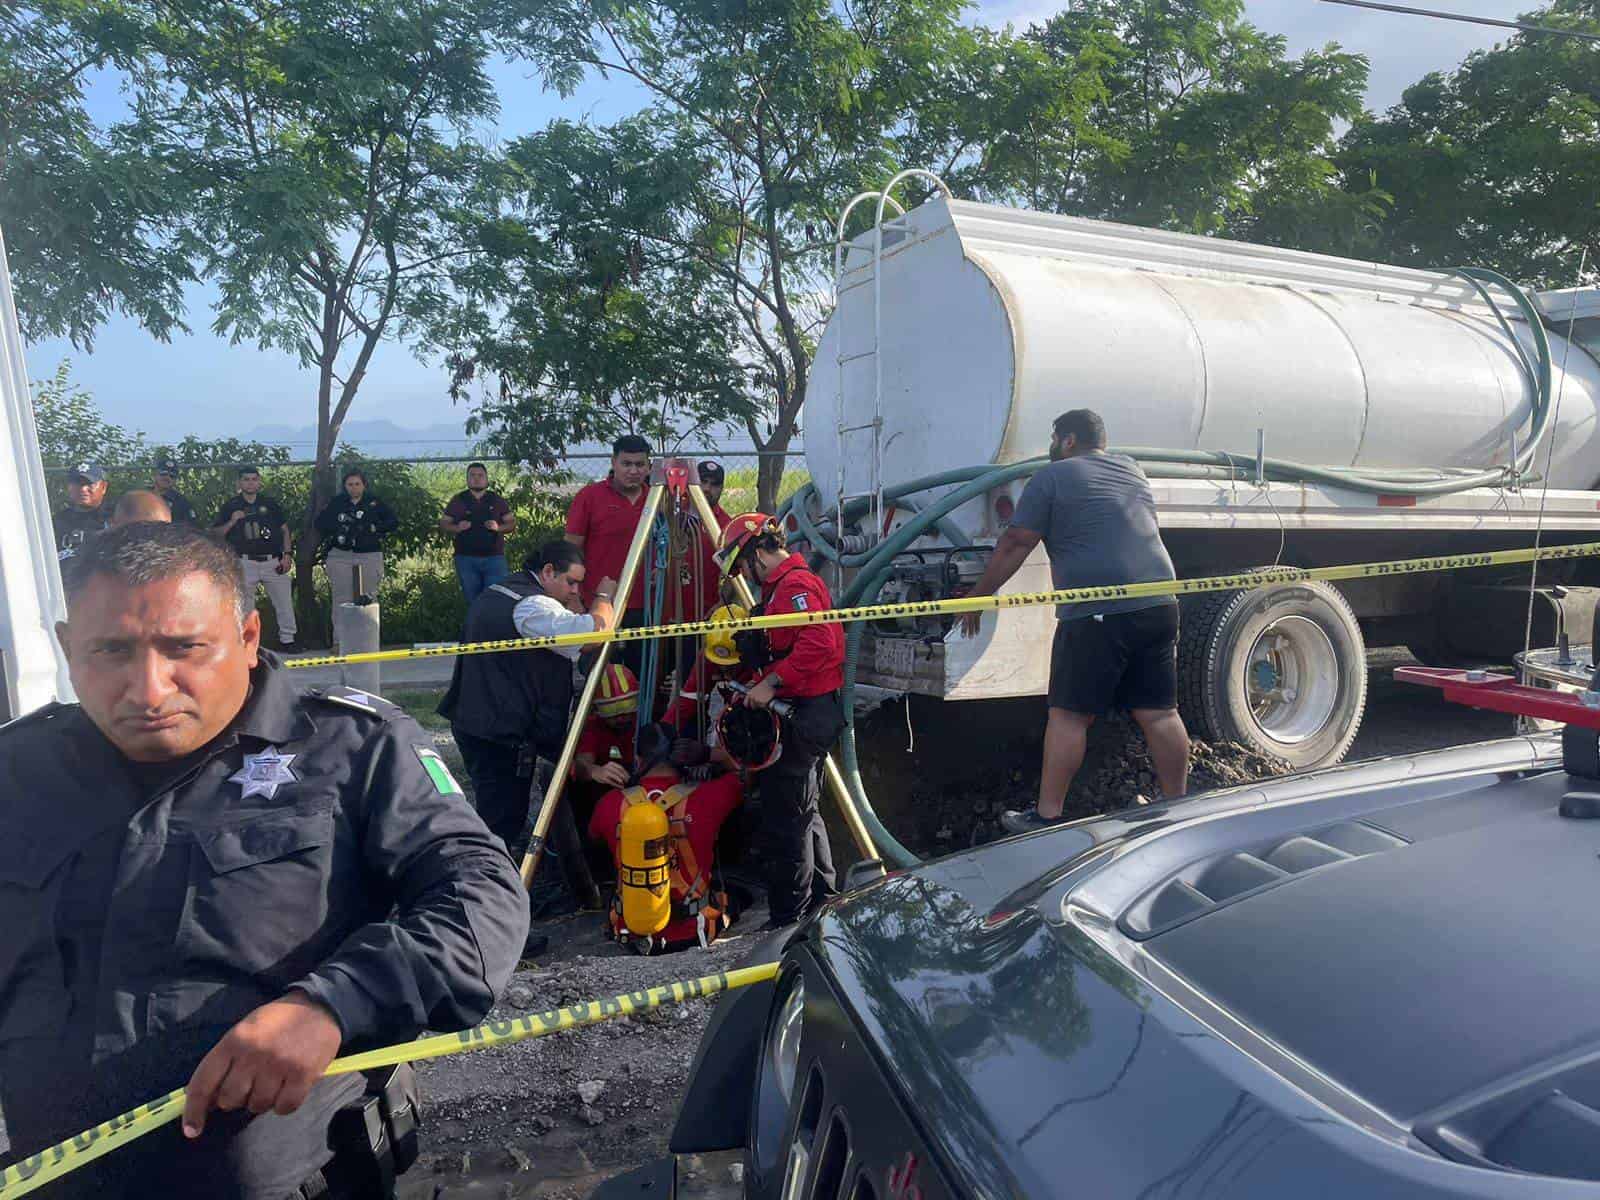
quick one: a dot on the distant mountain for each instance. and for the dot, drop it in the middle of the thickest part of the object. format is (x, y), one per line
(384, 439)
(376, 439)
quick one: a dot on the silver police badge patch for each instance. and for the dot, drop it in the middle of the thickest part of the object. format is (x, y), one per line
(263, 774)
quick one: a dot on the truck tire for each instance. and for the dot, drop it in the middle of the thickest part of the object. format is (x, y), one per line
(1280, 668)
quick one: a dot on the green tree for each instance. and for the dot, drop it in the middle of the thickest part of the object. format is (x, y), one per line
(330, 150)
(1498, 161)
(1198, 121)
(585, 333)
(209, 471)
(72, 429)
(92, 217)
(713, 209)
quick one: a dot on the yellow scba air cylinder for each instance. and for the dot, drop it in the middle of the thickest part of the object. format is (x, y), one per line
(642, 877)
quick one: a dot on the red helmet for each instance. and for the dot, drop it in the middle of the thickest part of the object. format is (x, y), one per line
(739, 533)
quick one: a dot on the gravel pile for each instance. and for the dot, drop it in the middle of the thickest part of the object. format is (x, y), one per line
(553, 1116)
(941, 778)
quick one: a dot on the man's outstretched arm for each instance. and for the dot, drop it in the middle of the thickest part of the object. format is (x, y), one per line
(1010, 552)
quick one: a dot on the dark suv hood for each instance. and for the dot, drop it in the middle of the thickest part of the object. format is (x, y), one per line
(1050, 1051)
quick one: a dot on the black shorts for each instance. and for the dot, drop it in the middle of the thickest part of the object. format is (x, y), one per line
(1121, 660)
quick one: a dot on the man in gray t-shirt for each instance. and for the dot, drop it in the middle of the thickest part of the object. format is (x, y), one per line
(1097, 519)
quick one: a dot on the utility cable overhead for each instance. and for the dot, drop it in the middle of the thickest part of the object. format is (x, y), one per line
(1467, 18)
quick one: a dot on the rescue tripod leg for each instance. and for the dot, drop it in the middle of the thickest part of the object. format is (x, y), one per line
(569, 750)
(830, 769)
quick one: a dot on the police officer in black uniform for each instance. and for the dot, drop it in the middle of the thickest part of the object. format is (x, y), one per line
(84, 515)
(166, 486)
(253, 523)
(354, 524)
(211, 881)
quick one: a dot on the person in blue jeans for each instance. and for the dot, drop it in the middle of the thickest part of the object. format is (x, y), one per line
(479, 520)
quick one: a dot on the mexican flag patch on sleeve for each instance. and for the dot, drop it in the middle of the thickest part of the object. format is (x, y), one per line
(443, 782)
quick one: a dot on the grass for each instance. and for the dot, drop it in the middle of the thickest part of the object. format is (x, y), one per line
(740, 493)
(422, 705)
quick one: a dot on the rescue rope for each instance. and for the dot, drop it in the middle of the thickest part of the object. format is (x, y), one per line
(657, 586)
(979, 604)
(65, 1157)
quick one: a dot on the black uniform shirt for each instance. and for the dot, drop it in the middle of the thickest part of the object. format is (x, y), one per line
(318, 844)
(479, 541)
(75, 526)
(259, 531)
(356, 527)
(182, 511)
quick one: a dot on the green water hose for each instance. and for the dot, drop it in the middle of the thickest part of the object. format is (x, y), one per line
(820, 538)
(874, 565)
(863, 590)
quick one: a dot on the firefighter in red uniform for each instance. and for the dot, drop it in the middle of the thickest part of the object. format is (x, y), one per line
(805, 666)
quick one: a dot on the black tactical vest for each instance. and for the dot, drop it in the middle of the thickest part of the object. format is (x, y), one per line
(511, 696)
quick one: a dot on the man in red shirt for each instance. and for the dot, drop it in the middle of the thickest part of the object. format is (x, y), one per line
(700, 579)
(603, 519)
(712, 481)
(695, 821)
(806, 668)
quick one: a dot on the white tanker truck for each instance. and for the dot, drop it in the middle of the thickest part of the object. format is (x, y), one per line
(1367, 413)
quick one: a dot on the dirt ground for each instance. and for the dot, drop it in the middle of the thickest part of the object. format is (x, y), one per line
(555, 1116)
(518, 1122)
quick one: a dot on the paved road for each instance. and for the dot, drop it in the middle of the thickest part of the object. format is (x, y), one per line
(404, 673)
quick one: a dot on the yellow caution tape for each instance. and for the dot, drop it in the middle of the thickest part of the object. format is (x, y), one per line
(65, 1157)
(970, 604)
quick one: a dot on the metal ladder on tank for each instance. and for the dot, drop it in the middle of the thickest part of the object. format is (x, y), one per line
(874, 427)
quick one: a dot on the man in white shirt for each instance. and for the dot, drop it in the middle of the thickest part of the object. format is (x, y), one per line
(509, 708)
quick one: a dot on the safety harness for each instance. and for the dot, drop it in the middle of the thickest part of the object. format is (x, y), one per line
(694, 892)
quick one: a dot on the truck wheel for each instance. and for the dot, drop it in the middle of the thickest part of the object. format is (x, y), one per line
(1280, 668)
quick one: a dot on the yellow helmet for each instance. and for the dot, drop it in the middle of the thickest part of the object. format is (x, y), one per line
(619, 692)
(719, 646)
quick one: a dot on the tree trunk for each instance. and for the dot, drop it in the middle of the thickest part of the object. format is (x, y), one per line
(769, 469)
(316, 621)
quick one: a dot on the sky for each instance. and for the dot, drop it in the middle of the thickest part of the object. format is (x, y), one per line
(199, 383)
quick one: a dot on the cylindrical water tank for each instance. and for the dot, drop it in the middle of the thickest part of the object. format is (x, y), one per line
(992, 321)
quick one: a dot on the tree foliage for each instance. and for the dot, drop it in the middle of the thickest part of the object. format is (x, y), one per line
(72, 429)
(330, 149)
(1497, 162)
(583, 332)
(93, 217)
(1198, 121)
(711, 212)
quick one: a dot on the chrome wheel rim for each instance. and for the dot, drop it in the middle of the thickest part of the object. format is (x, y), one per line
(1292, 680)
